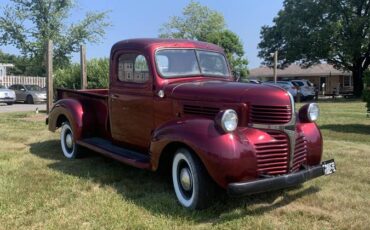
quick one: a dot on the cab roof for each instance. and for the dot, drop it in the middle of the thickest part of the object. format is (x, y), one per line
(156, 43)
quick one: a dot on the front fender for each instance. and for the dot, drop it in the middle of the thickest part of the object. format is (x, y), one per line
(226, 156)
(314, 142)
(70, 109)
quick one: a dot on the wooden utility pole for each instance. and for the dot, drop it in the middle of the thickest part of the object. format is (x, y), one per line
(49, 72)
(83, 67)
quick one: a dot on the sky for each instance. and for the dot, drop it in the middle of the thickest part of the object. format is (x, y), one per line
(142, 19)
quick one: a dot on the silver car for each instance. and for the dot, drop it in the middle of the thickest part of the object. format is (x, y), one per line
(29, 94)
(6, 95)
(288, 86)
(306, 88)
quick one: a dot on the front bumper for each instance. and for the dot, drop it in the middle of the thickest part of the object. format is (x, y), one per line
(7, 99)
(275, 183)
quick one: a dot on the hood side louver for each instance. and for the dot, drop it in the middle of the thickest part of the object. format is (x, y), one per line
(200, 110)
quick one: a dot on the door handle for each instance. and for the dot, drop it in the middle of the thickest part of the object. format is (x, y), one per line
(115, 96)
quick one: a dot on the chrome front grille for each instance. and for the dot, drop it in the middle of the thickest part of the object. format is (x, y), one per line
(273, 156)
(261, 114)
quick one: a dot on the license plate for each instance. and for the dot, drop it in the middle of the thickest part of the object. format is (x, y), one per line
(328, 166)
(6, 94)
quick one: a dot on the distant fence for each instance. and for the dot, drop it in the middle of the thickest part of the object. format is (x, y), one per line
(26, 80)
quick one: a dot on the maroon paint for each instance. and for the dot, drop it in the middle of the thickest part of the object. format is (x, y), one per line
(134, 116)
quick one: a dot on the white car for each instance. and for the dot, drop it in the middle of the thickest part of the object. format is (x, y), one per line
(306, 88)
(288, 86)
(6, 95)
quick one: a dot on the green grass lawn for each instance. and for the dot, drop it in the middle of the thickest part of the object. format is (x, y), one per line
(40, 189)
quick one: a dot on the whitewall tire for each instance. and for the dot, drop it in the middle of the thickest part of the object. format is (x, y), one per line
(192, 185)
(67, 142)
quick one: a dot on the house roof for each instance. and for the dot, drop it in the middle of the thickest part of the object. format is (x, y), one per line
(295, 70)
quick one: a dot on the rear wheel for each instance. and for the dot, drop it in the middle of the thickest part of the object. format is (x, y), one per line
(29, 100)
(69, 147)
(192, 184)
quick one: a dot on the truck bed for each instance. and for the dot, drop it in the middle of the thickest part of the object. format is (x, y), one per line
(95, 107)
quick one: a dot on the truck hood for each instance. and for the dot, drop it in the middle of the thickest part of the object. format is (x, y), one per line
(228, 92)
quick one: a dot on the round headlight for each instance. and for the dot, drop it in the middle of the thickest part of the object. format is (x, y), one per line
(313, 112)
(229, 120)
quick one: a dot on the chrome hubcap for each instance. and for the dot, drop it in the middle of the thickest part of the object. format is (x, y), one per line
(185, 179)
(69, 141)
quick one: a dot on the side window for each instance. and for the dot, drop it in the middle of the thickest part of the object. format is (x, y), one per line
(133, 68)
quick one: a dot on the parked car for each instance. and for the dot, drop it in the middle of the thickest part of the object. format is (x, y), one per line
(253, 81)
(288, 86)
(306, 88)
(6, 95)
(174, 105)
(29, 94)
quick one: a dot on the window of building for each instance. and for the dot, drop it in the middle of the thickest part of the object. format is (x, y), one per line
(133, 68)
(347, 81)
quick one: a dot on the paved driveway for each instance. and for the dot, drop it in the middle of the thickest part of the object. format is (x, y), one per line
(4, 108)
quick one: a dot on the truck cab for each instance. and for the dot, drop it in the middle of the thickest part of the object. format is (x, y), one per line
(174, 104)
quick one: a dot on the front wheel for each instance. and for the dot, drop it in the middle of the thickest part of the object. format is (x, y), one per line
(69, 147)
(192, 184)
(29, 100)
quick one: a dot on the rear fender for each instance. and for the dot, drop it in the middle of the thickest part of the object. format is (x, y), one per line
(72, 110)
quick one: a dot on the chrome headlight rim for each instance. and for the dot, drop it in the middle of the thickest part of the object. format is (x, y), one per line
(225, 116)
(313, 112)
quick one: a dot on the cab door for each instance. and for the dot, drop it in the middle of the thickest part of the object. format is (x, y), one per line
(131, 100)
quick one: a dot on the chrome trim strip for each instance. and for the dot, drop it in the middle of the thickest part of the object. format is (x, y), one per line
(288, 128)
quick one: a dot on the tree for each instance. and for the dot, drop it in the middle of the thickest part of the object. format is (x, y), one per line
(70, 76)
(22, 65)
(233, 48)
(28, 24)
(203, 24)
(311, 31)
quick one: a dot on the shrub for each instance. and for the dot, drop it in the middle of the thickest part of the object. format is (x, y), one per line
(97, 75)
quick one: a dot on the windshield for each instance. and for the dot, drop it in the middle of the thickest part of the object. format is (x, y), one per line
(2, 87)
(298, 83)
(33, 87)
(188, 62)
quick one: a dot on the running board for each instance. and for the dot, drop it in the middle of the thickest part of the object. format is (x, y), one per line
(118, 153)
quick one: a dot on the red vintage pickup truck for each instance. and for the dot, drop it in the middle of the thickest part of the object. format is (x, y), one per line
(174, 104)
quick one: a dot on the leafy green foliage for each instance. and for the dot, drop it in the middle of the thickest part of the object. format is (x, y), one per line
(233, 47)
(203, 24)
(22, 65)
(196, 23)
(97, 75)
(28, 24)
(310, 31)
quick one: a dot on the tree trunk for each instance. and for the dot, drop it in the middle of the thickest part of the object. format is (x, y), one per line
(358, 83)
